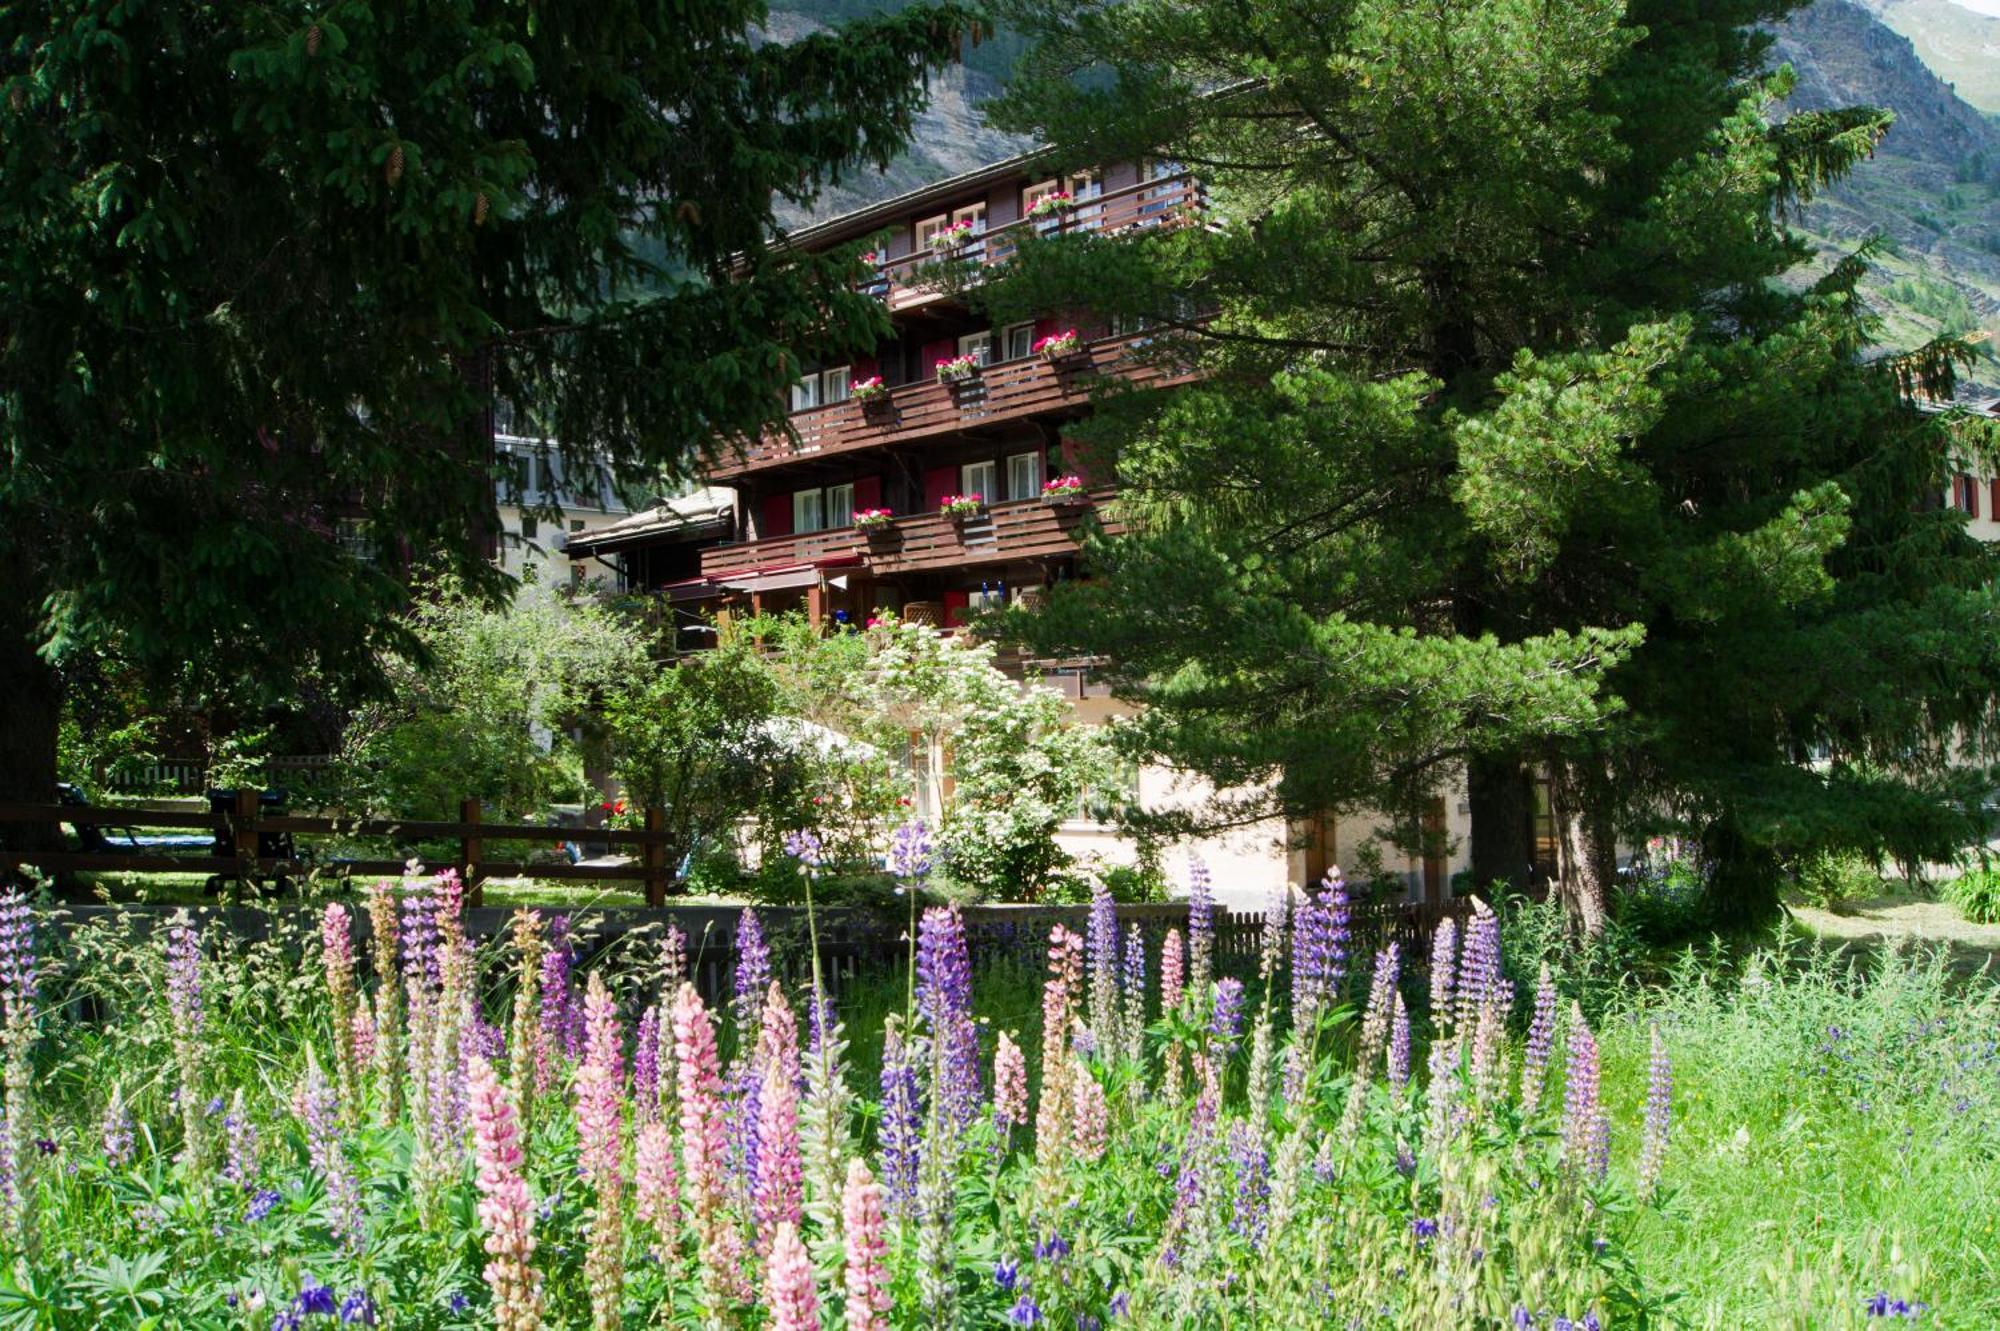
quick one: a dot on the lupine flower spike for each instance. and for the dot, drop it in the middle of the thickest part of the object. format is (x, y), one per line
(866, 1270)
(506, 1210)
(789, 1285)
(1659, 1110)
(600, 1150)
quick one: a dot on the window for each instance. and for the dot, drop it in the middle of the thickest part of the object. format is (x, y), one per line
(927, 230)
(1084, 187)
(978, 344)
(1035, 193)
(1024, 476)
(988, 597)
(1017, 342)
(1162, 187)
(1965, 495)
(974, 213)
(833, 384)
(976, 478)
(805, 393)
(808, 511)
(840, 505)
(576, 524)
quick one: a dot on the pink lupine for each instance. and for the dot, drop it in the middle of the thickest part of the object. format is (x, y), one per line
(363, 1027)
(599, 1092)
(1010, 1084)
(1052, 1119)
(867, 1274)
(789, 1284)
(528, 1053)
(1172, 972)
(1090, 1122)
(337, 951)
(506, 1210)
(1444, 957)
(705, 1147)
(779, 1186)
(656, 1182)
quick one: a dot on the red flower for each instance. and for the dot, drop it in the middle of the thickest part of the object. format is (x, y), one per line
(606, 806)
(619, 808)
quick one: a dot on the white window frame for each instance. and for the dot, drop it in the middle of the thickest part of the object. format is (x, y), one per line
(980, 478)
(924, 231)
(805, 393)
(838, 506)
(1017, 341)
(975, 212)
(1033, 469)
(808, 511)
(978, 344)
(834, 384)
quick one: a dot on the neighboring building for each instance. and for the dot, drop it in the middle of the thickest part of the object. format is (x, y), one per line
(544, 505)
(791, 540)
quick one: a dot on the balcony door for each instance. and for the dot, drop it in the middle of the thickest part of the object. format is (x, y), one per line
(978, 345)
(977, 478)
(1024, 476)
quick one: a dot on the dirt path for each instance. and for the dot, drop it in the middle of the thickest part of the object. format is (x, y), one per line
(1881, 919)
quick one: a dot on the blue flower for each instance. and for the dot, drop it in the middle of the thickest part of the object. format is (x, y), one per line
(1424, 1228)
(1121, 1304)
(315, 1298)
(1006, 1272)
(261, 1205)
(357, 1309)
(458, 1303)
(1054, 1250)
(1523, 1319)
(1025, 1312)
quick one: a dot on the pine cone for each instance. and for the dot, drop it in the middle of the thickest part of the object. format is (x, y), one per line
(479, 209)
(313, 38)
(392, 170)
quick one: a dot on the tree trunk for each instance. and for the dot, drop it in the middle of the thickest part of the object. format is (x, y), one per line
(1743, 879)
(1588, 868)
(30, 703)
(1497, 796)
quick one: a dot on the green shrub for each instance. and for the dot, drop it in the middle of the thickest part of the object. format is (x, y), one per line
(1977, 895)
(1828, 877)
(1590, 972)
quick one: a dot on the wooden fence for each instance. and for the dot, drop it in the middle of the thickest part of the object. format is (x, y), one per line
(244, 832)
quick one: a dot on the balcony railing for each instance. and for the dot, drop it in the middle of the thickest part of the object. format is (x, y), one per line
(1015, 529)
(1174, 200)
(1009, 389)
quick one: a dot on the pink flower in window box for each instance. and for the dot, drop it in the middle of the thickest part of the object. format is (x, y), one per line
(874, 519)
(960, 507)
(871, 389)
(1052, 205)
(958, 369)
(1059, 346)
(1063, 490)
(949, 238)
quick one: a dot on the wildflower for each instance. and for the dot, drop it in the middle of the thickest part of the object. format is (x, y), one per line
(1252, 1162)
(777, 1191)
(184, 1006)
(530, 1059)
(1479, 966)
(1659, 1109)
(1052, 1114)
(1120, 1305)
(656, 1183)
(1225, 1022)
(1101, 947)
(1052, 1249)
(1171, 974)
(1201, 925)
(1586, 1131)
(944, 1002)
(116, 1131)
(1399, 1047)
(600, 1149)
(698, 1079)
(318, 1109)
(1133, 980)
(866, 1271)
(1010, 1084)
(262, 1203)
(805, 847)
(315, 1300)
(1444, 949)
(1090, 1126)
(1423, 1228)
(337, 953)
(388, 1024)
(910, 852)
(1375, 1023)
(17, 954)
(239, 1136)
(506, 1210)
(1541, 1038)
(789, 1290)
(752, 979)
(1006, 1274)
(561, 1018)
(898, 1133)
(646, 1065)
(357, 1309)
(1025, 1312)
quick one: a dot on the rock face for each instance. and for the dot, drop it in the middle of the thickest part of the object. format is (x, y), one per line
(1960, 42)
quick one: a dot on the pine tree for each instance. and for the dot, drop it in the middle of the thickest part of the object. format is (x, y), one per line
(1512, 436)
(264, 271)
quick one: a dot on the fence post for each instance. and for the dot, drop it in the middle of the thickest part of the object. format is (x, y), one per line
(653, 856)
(470, 850)
(243, 836)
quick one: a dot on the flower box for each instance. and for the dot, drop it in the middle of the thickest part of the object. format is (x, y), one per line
(1063, 491)
(1052, 205)
(1059, 347)
(868, 390)
(875, 521)
(950, 240)
(958, 370)
(960, 507)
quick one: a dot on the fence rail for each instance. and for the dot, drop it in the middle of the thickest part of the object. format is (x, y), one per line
(245, 837)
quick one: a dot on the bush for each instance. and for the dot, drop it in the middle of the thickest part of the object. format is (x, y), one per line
(1977, 895)
(1829, 877)
(1590, 972)
(1665, 898)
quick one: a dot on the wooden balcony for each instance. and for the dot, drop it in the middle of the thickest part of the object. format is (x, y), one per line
(922, 542)
(927, 409)
(910, 280)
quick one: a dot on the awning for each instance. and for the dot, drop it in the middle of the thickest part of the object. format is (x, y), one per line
(692, 589)
(788, 576)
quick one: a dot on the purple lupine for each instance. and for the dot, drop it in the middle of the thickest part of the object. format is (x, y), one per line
(319, 1111)
(1541, 1039)
(944, 1003)
(1201, 926)
(910, 852)
(1101, 948)
(1478, 966)
(752, 980)
(116, 1130)
(1444, 956)
(1319, 951)
(1133, 977)
(1659, 1110)
(1225, 1021)
(17, 955)
(1252, 1162)
(752, 974)
(562, 1014)
(1191, 1176)
(184, 1002)
(898, 1129)
(1586, 1130)
(239, 1136)
(805, 847)
(419, 934)
(646, 1065)
(1399, 1047)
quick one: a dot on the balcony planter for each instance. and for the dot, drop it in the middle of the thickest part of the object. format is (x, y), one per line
(962, 375)
(953, 241)
(872, 396)
(1065, 492)
(960, 509)
(1051, 206)
(876, 525)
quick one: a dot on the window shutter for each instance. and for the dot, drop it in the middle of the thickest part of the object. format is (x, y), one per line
(1993, 496)
(1044, 327)
(1971, 497)
(867, 492)
(936, 353)
(955, 606)
(939, 482)
(777, 516)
